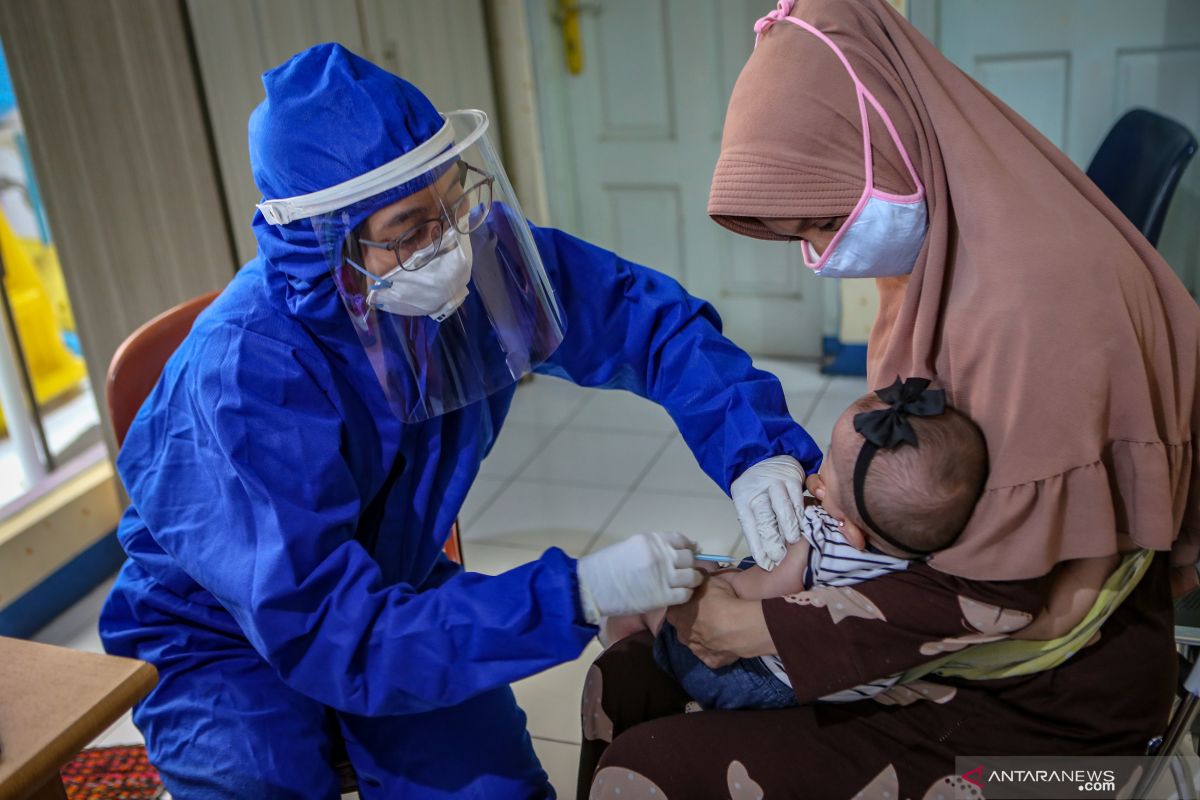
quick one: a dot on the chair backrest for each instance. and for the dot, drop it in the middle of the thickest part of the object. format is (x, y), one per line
(140, 359)
(1139, 164)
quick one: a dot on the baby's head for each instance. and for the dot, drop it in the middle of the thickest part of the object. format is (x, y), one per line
(921, 496)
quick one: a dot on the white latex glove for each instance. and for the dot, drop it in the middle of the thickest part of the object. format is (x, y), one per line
(769, 499)
(644, 572)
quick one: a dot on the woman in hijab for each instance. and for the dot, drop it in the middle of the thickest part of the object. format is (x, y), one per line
(1006, 277)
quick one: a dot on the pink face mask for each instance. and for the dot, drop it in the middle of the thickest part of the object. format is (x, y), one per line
(884, 233)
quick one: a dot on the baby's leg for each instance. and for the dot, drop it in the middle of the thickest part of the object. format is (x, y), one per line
(756, 583)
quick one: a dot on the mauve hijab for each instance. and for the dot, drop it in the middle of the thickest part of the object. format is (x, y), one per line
(1039, 308)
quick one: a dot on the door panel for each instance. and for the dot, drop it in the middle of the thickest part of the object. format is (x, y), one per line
(647, 218)
(639, 134)
(1041, 84)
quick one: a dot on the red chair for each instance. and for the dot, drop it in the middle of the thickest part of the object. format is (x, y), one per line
(140, 359)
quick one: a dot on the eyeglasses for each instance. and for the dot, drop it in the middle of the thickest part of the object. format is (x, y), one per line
(466, 210)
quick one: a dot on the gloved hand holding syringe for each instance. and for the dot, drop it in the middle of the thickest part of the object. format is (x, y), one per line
(644, 572)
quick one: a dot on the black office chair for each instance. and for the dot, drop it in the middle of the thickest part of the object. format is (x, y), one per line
(1139, 164)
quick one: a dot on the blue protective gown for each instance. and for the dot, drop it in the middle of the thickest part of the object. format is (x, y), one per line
(284, 535)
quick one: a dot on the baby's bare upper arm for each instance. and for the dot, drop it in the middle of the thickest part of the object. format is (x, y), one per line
(756, 583)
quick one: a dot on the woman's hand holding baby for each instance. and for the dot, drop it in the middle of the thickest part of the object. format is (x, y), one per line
(720, 627)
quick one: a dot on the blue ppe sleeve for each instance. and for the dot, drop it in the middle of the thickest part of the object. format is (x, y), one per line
(630, 327)
(251, 495)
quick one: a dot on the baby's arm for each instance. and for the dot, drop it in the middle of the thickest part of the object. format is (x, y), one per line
(1075, 589)
(756, 583)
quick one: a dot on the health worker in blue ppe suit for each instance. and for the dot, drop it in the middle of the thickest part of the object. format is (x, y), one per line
(295, 472)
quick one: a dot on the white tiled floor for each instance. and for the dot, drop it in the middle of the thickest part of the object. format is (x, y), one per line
(575, 469)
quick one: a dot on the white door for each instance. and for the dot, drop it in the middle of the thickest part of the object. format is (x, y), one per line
(1072, 67)
(631, 143)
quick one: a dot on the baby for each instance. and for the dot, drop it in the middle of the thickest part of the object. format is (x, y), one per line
(917, 500)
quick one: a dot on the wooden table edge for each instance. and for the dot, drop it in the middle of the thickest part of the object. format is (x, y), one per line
(34, 773)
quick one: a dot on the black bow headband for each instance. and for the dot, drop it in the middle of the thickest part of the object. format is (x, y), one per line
(888, 428)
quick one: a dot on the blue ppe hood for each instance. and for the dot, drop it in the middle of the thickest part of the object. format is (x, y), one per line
(329, 116)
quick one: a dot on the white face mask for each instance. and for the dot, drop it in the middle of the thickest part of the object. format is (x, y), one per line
(883, 236)
(435, 290)
(881, 242)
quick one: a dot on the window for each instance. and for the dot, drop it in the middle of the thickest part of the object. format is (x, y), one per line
(48, 413)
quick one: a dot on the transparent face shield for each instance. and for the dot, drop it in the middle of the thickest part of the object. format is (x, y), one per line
(437, 269)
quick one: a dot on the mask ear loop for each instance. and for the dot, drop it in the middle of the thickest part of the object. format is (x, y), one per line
(377, 282)
(919, 193)
(352, 254)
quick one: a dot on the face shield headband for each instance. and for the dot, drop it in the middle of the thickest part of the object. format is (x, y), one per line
(437, 269)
